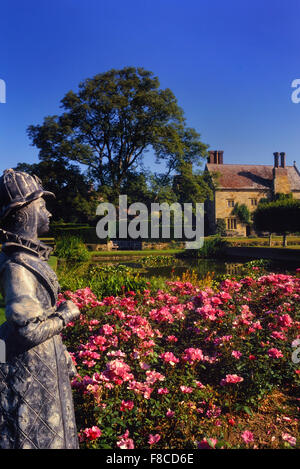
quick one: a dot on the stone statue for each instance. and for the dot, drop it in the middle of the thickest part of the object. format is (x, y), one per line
(36, 405)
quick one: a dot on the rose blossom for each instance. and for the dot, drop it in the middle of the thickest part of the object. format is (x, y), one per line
(125, 442)
(247, 436)
(153, 439)
(90, 434)
(170, 413)
(204, 444)
(289, 438)
(231, 379)
(275, 353)
(126, 405)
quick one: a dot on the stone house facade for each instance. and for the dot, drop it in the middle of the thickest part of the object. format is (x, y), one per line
(246, 184)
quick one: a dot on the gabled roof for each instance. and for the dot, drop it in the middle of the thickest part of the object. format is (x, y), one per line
(247, 176)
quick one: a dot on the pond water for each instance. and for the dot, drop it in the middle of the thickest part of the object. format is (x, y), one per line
(176, 267)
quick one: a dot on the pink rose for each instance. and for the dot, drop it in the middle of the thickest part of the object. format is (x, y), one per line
(153, 439)
(247, 436)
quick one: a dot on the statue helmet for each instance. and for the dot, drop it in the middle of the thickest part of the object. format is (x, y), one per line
(18, 189)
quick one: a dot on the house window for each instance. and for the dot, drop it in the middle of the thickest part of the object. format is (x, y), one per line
(231, 223)
(230, 202)
(253, 202)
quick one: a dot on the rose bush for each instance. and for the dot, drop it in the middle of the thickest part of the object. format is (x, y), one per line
(177, 368)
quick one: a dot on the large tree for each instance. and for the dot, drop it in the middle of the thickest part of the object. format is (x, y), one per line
(109, 124)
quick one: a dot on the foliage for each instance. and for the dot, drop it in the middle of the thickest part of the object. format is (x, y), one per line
(280, 216)
(2, 310)
(71, 248)
(86, 233)
(152, 261)
(192, 187)
(280, 196)
(104, 280)
(221, 227)
(162, 188)
(75, 200)
(242, 212)
(185, 366)
(213, 248)
(112, 121)
(257, 264)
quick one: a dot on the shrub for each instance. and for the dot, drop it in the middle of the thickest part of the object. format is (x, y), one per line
(71, 248)
(213, 248)
(178, 368)
(221, 227)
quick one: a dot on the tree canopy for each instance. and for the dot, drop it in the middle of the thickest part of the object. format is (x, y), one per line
(193, 187)
(112, 121)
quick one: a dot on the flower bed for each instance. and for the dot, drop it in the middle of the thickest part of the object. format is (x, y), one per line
(189, 368)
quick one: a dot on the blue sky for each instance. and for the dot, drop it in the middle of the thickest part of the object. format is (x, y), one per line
(229, 63)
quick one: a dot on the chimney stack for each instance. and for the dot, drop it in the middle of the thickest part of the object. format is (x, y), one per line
(215, 157)
(220, 157)
(282, 159)
(210, 158)
(281, 181)
(276, 159)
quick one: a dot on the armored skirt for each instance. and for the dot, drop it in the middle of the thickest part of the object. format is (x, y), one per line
(36, 405)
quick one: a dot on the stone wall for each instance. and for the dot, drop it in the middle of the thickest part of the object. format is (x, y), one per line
(224, 210)
(281, 181)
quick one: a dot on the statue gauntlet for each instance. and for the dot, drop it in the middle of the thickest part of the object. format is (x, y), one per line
(67, 312)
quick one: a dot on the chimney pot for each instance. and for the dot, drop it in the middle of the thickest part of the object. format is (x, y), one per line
(276, 159)
(220, 158)
(215, 157)
(282, 155)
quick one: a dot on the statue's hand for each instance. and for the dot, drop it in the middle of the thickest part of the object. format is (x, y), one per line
(68, 311)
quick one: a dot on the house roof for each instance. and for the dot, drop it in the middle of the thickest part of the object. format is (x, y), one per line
(246, 176)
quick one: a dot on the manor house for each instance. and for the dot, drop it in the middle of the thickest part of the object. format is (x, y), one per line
(246, 184)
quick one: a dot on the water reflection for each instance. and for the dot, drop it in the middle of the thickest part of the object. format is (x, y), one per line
(178, 266)
(201, 267)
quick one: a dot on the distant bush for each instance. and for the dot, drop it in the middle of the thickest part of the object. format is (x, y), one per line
(221, 227)
(86, 233)
(213, 248)
(71, 248)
